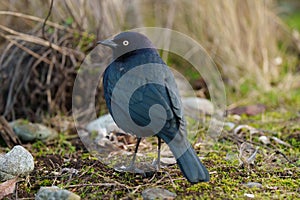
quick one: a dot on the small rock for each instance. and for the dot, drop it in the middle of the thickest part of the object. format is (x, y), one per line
(28, 132)
(264, 139)
(54, 192)
(103, 125)
(167, 161)
(195, 106)
(236, 117)
(253, 184)
(184, 87)
(16, 162)
(69, 171)
(249, 195)
(157, 193)
(229, 125)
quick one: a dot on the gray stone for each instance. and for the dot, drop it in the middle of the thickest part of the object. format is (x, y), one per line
(28, 132)
(157, 193)
(103, 126)
(54, 192)
(264, 139)
(193, 106)
(249, 195)
(16, 162)
(253, 184)
(167, 161)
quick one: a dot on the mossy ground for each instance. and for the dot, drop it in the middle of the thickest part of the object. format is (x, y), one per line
(276, 166)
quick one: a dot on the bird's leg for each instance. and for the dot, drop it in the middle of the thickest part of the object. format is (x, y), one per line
(135, 152)
(158, 153)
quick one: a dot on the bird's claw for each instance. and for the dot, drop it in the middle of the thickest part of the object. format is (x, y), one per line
(130, 168)
(134, 169)
(156, 165)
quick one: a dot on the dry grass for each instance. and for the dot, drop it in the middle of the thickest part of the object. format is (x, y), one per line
(242, 36)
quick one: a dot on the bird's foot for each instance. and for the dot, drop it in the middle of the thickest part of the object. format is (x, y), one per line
(131, 168)
(156, 165)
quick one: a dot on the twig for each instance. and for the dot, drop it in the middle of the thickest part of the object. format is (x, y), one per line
(37, 19)
(237, 140)
(26, 49)
(3, 57)
(11, 96)
(173, 184)
(83, 173)
(136, 189)
(48, 80)
(46, 19)
(36, 40)
(101, 184)
(8, 134)
(291, 162)
(75, 18)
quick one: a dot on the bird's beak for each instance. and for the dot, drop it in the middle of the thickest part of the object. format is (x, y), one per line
(108, 43)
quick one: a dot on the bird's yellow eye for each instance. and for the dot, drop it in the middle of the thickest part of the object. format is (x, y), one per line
(125, 42)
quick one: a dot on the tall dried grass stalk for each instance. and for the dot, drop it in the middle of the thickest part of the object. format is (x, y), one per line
(242, 36)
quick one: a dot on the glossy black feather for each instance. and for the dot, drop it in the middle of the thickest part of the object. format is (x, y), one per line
(166, 95)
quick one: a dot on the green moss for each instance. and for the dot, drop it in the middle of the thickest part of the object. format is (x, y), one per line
(279, 178)
(46, 182)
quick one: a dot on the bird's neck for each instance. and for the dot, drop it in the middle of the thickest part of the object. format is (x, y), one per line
(148, 53)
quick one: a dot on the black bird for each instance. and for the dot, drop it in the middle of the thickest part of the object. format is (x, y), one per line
(152, 83)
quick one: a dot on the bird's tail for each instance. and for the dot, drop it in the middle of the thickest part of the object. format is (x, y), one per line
(191, 167)
(186, 157)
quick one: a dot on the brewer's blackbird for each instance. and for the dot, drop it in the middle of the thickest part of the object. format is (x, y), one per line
(143, 99)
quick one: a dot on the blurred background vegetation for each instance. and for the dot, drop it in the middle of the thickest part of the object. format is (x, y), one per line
(255, 44)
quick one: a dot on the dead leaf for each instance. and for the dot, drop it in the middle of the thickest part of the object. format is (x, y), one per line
(7, 187)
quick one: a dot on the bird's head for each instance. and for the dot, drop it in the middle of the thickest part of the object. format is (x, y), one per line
(127, 42)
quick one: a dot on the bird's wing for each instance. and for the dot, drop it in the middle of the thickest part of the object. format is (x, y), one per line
(173, 94)
(110, 78)
(144, 98)
(166, 95)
